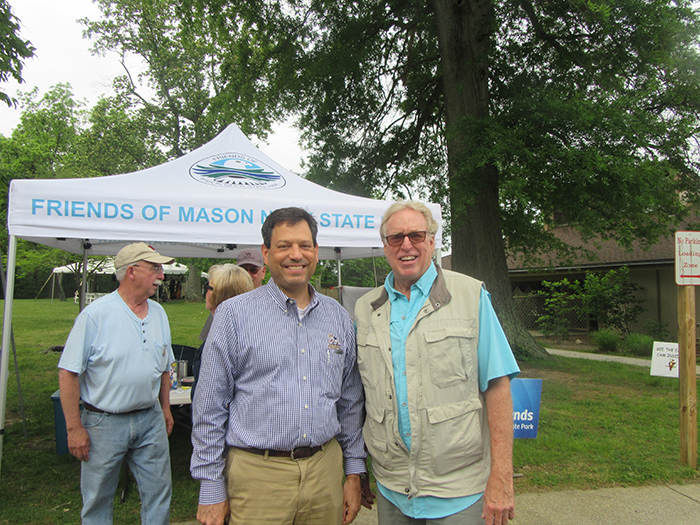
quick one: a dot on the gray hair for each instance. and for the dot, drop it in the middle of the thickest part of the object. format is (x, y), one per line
(409, 205)
(120, 273)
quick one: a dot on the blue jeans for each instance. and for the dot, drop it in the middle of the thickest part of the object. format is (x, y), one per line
(141, 439)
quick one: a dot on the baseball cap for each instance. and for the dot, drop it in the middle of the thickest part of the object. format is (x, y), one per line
(139, 251)
(250, 257)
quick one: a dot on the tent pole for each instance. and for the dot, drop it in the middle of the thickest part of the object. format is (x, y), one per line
(42, 288)
(337, 258)
(438, 256)
(83, 284)
(374, 268)
(14, 355)
(7, 334)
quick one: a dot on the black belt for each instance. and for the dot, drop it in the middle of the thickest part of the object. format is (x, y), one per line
(91, 408)
(297, 453)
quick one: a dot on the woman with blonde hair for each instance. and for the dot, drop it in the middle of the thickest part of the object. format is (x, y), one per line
(225, 281)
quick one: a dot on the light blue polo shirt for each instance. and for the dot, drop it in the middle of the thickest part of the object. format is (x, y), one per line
(119, 358)
(495, 360)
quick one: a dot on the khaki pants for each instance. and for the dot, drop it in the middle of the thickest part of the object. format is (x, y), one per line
(281, 491)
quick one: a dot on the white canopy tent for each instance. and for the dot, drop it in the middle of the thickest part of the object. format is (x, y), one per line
(106, 267)
(209, 203)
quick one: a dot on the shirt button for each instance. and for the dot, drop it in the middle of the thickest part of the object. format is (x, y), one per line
(306, 406)
(405, 404)
(408, 434)
(303, 350)
(407, 490)
(304, 435)
(403, 317)
(404, 372)
(304, 378)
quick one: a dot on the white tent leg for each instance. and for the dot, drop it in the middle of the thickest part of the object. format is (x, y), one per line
(83, 284)
(437, 256)
(340, 283)
(337, 259)
(7, 334)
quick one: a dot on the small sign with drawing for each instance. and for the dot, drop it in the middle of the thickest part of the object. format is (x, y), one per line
(664, 359)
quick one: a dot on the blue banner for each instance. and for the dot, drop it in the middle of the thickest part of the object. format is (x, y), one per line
(526, 394)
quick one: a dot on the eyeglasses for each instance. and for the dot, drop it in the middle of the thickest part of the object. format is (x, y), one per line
(208, 287)
(252, 270)
(154, 269)
(397, 238)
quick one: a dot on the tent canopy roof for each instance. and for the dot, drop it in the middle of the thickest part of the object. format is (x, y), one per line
(209, 203)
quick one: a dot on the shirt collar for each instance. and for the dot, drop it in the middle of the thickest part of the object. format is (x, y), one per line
(422, 285)
(282, 299)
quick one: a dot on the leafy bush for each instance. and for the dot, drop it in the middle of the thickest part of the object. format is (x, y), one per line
(658, 330)
(607, 341)
(611, 298)
(558, 304)
(640, 345)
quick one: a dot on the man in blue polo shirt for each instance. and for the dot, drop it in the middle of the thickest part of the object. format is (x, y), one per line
(436, 370)
(117, 360)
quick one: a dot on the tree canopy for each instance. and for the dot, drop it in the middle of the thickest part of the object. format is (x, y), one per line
(13, 50)
(511, 113)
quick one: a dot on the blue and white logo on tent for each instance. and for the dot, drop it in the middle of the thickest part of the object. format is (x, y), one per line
(236, 170)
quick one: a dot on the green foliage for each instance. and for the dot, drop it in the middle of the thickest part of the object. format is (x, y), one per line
(558, 305)
(658, 330)
(611, 299)
(208, 64)
(640, 345)
(369, 272)
(13, 50)
(607, 341)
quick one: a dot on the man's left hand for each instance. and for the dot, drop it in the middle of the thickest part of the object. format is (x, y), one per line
(352, 495)
(367, 494)
(169, 421)
(499, 500)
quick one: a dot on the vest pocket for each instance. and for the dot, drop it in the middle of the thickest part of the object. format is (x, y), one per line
(368, 354)
(448, 351)
(375, 435)
(455, 435)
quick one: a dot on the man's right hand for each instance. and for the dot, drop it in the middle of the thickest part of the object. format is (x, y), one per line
(216, 514)
(79, 443)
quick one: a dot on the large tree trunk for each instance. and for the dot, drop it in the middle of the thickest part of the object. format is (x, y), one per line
(193, 284)
(464, 30)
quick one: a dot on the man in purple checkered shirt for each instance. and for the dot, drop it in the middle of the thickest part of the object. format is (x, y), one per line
(279, 404)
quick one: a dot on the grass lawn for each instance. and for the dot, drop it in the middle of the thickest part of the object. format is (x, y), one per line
(601, 424)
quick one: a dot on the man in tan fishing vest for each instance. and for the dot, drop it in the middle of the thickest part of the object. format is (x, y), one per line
(436, 369)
